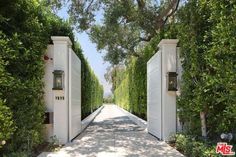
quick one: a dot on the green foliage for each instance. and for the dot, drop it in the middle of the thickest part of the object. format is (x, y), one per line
(17, 154)
(193, 148)
(26, 27)
(206, 30)
(109, 99)
(7, 125)
(192, 47)
(125, 26)
(122, 94)
(92, 90)
(22, 43)
(221, 61)
(207, 39)
(115, 75)
(117, 46)
(130, 92)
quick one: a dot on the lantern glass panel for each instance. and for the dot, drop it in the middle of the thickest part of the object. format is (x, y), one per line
(172, 81)
(58, 80)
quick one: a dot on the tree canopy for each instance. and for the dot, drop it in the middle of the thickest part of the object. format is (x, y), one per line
(126, 24)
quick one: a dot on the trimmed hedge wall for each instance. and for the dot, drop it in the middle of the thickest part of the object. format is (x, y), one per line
(26, 27)
(208, 48)
(92, 90)
(23, 39)
(131, 92)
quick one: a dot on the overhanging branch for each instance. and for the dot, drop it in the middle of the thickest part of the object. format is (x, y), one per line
(169, 11)
(172, 12)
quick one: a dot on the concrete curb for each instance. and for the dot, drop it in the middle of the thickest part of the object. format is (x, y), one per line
(90, 118)
(140, 122)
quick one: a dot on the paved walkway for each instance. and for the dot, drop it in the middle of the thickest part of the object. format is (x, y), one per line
(112, 134)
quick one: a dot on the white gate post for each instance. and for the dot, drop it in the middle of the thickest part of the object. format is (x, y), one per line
(61, 108)
(161, 110)
(62, 89)
(168, 50)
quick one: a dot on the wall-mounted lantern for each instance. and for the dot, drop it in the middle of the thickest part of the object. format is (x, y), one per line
(58, 80)
(172, 81)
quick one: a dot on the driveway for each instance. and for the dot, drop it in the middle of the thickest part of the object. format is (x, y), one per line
(113, 134)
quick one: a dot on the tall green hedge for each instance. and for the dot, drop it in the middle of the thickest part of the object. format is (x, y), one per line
(23, 40)
(131, 92)
(25, 30)
(92, 90)
(207, 34)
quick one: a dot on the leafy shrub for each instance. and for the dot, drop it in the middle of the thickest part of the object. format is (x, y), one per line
(189, 146)
(7, 125)
(207, 39)
(17, 154)
(22, 88)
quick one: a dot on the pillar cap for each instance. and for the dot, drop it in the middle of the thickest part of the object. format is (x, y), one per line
(168, 41)
(61, 39)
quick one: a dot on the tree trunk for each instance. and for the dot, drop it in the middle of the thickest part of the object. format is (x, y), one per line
(203, 124)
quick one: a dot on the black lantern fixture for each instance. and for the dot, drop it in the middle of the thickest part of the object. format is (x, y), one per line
(58, 80)
(172, 81)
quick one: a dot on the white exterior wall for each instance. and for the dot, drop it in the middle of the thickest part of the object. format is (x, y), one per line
(161, 102)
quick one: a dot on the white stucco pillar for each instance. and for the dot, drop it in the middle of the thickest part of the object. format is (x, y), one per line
(60, 62)
(168, 50)
(161, 103)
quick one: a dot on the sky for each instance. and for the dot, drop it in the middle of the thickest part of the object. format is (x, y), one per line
(90, 52)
